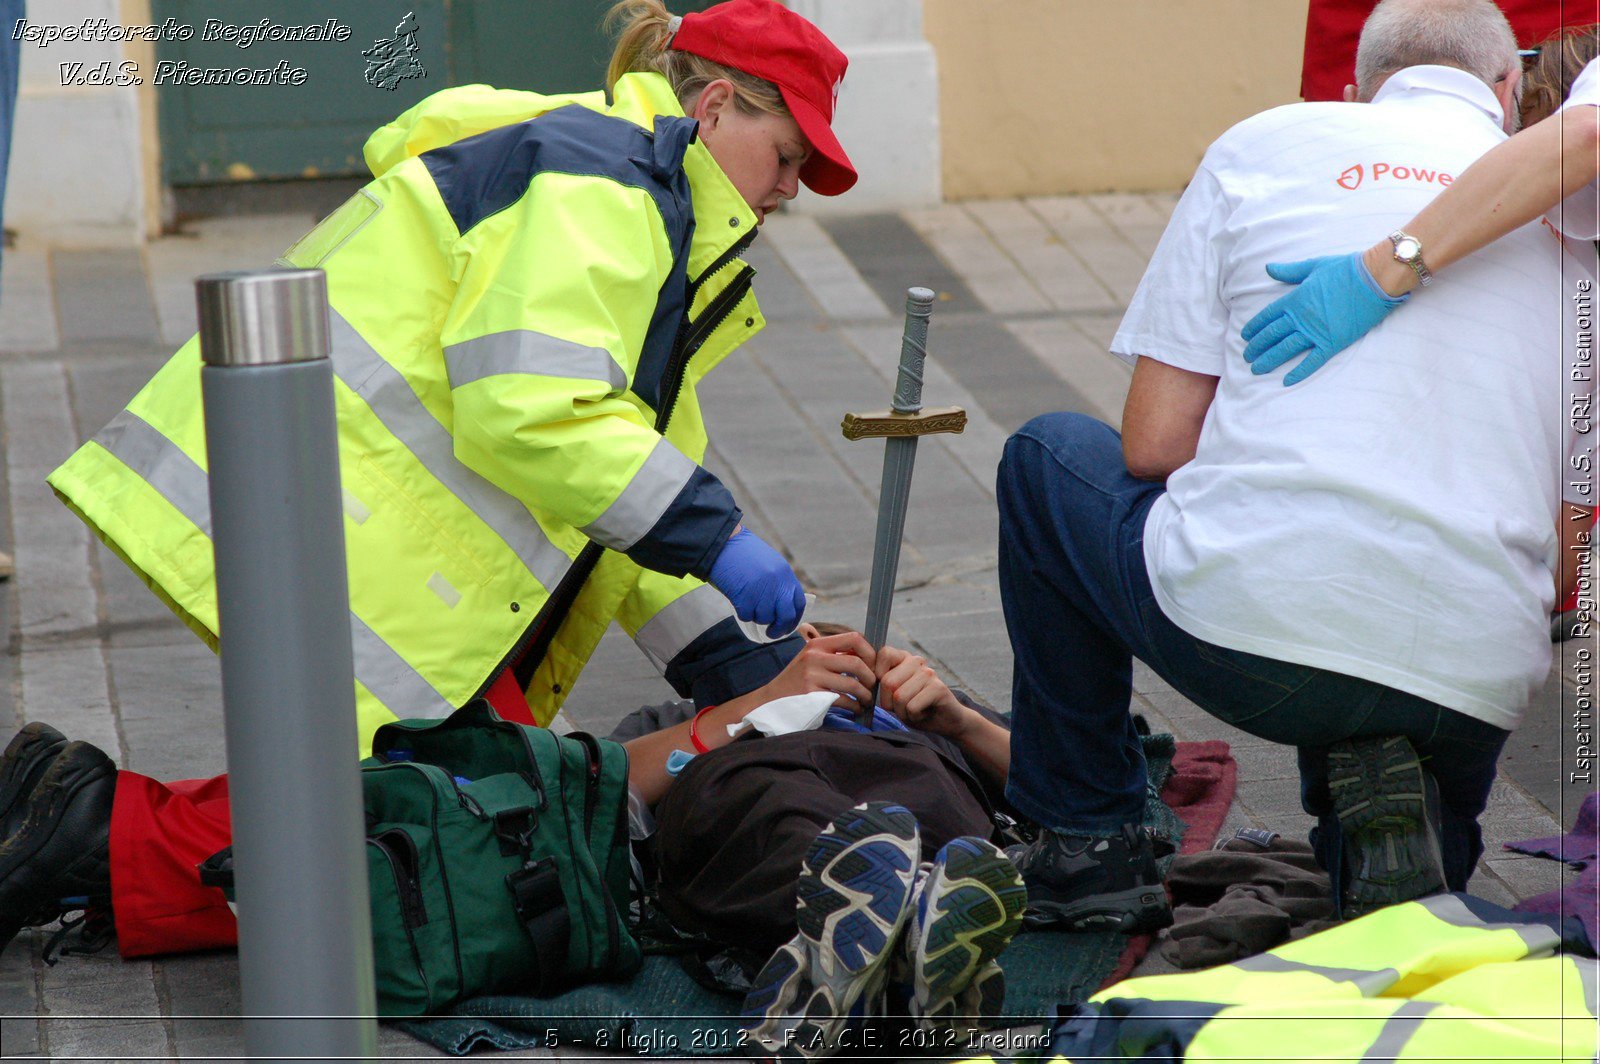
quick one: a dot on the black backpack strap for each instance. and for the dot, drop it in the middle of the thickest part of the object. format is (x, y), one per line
(541, 909)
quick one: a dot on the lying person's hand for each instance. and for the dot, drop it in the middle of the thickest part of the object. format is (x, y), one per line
(839, 663)
(912, 691)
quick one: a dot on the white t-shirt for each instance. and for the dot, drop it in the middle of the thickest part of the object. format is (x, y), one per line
(1579, 214)
(1393, 517)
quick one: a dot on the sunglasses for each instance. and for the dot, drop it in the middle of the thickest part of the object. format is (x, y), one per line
(1529, 57)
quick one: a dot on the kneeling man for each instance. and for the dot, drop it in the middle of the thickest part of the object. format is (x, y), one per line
(1360, 566)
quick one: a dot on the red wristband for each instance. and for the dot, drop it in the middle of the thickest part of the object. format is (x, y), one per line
(694, 732)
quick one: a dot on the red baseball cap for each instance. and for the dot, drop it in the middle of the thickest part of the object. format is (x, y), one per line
(767, 40)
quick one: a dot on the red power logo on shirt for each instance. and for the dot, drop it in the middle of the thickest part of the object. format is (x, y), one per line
(1351, 179)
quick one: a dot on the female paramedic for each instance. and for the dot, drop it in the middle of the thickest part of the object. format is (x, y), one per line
(523, 300)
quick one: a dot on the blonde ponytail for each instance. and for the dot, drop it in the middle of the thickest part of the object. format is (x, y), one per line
(645, 27)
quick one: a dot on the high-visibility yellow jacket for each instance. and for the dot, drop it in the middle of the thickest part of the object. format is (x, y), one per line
(1444, 978)
(523, 301)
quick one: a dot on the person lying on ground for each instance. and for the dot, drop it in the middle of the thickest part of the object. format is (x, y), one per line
(765, 844)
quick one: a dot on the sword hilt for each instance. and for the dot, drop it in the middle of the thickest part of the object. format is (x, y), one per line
(913, 351)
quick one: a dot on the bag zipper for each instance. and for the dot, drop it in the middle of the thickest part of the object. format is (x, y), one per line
(444, 879)
(591, 747)
(401, 851)
(408, 911)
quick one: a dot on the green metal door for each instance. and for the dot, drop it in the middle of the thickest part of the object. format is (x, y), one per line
(234, 108)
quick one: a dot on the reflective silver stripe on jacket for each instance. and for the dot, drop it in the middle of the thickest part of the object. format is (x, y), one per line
(1371, 981)
(664, 636)
(388, 393)
(386, 674)
(1397, 1031)
(526, 351)
(632, 515)
(1541, 939)
(163, 465)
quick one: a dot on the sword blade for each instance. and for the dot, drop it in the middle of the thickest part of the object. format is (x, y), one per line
(899, 458)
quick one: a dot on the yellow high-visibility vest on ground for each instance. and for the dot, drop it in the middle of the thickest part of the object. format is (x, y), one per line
(523, 301)
(1448, 978)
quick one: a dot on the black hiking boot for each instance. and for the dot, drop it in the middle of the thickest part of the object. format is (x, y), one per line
(28, 754)
(1387, 805)
(59, 859)
(1078, 883)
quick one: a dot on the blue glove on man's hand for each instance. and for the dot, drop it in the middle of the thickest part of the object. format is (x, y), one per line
(759, 583)
(1336, 304)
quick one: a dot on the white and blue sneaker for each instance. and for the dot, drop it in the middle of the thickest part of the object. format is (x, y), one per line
(966, 908)
(854, 896)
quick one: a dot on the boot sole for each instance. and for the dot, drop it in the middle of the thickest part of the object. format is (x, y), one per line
(1136, 910)
(1391, 838)
(26, 757)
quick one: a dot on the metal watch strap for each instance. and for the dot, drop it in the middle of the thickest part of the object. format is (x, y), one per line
(1419, 267)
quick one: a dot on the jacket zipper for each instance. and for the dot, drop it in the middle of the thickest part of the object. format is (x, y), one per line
(528, 653)
(710, 320)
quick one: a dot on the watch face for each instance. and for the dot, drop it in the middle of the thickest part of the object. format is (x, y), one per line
(1407, 249)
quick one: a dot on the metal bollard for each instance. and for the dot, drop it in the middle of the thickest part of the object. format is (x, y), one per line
(305, 938)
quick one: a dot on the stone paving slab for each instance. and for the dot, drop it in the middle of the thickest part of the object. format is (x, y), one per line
(27, 301)
(1032, 292)
(1065, 279)
(994, 277)
(103, 295)
(808, 251)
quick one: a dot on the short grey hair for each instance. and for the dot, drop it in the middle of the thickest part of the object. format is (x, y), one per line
(1471, 35)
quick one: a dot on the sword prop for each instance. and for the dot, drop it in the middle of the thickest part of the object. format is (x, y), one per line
(901, 427)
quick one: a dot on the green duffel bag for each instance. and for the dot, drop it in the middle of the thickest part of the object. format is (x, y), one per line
(498, 860)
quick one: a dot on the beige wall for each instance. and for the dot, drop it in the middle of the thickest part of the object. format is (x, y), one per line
(1049, 96)
(137, 13)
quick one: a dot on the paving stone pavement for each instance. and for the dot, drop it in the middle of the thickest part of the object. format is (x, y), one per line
(1030, 291)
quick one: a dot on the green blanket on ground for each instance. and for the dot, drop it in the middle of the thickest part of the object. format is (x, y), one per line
(663, 1012)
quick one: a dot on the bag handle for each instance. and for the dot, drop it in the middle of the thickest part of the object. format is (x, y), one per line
(541, 909)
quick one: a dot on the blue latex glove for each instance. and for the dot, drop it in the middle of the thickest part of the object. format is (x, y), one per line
(759, 583)
(1336, 304)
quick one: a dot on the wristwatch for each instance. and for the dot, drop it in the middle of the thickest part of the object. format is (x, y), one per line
(1408, 252)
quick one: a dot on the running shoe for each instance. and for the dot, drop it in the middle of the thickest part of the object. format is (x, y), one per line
(854, 895)
(966, 908)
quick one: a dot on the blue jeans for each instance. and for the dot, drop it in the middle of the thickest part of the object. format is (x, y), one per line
(1079, 608)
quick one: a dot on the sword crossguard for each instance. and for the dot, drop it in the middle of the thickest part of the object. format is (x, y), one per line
(896, 425)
